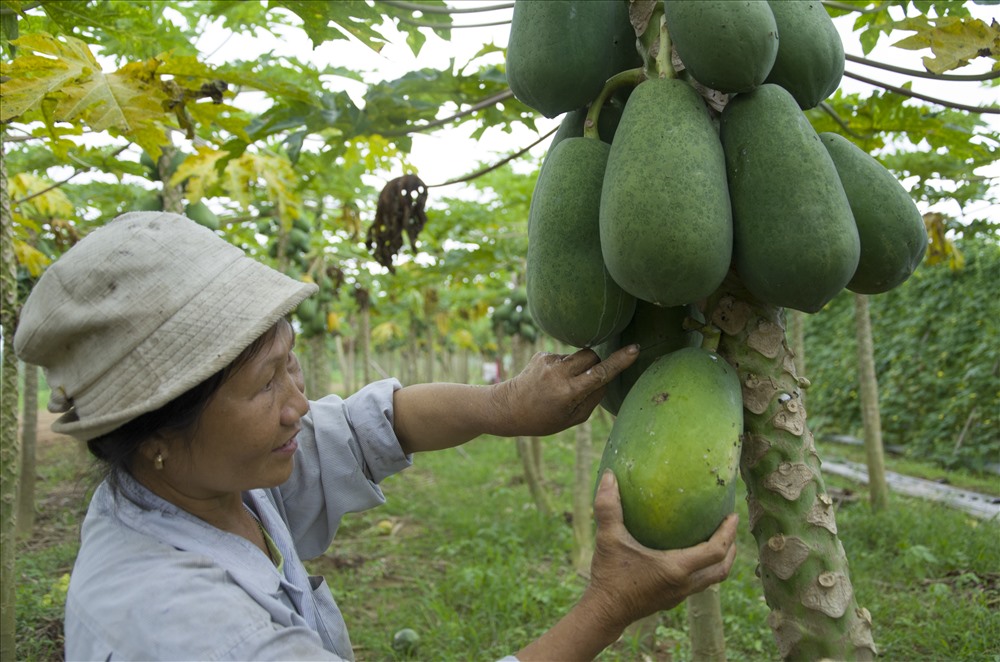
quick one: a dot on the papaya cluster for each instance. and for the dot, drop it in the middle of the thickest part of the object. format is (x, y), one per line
(512, 318)
(315, 314)
(666, 194)
(666, 175)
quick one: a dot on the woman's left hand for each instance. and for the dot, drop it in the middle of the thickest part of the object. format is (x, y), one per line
(557, 391)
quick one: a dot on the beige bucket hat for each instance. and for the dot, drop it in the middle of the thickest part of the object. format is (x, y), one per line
(141, 310)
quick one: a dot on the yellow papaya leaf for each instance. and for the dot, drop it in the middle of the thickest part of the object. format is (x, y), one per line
(199, 171)
(276, 174)
(443, 322)
(463, 338)
(47, 64)
(332, 322)
(46, 202)
(130, 102)
(953, 41)
(939, 247)
(385, 332)
(127, 102)
(30, 258)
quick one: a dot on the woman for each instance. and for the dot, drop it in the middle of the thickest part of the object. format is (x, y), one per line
(167, 350)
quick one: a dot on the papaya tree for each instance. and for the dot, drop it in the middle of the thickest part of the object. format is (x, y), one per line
(667, 246)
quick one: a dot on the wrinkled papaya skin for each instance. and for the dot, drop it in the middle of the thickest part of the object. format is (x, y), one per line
(795, 242)
(893, 237)
(810, 61)
(665, 220)
(675, 449)
(559, 54)
(571, 296)
(657, 331)
(727, 45)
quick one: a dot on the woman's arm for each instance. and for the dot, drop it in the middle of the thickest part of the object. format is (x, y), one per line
(552, 393)
(629, 581)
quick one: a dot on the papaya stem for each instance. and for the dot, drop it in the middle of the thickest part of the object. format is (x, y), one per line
(627, 78)
(710, 337)
(664, 65)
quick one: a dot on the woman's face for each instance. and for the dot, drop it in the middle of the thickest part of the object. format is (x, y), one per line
(245, 438)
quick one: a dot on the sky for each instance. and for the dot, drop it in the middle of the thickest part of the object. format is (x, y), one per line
(446, 155)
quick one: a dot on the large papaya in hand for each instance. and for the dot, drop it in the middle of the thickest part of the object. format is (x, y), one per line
(571, 296)
(810, 61)
(666, 223)
(675, 449)
(658, 331)
(891, 229)
(795, 242)
(728, 45)
(559, 54)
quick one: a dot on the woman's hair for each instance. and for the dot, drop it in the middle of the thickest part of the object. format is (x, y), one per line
(117, 449)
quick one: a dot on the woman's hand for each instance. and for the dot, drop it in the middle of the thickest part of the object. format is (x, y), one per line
(556, 391)
(629, 581)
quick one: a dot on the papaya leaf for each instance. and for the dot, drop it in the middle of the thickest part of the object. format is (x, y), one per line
(329, 21)
(30, 258)
(197, 172)
(953, 41)
(223, 116)
(129, 101)
(386, 332)
(281, 81)
(246, 174)
(46, 203)
(30, 77)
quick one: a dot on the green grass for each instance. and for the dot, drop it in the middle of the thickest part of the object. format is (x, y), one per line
(460, 554)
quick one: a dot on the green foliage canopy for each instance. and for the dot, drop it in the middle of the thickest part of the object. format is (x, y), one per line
(937, 355)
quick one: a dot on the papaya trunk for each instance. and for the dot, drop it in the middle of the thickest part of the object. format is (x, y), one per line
(364, 334)
(524, 444)
(345, 378)
(878, 492)
(583, 489)
(173, 196)
(704, 616)
(10, 453)
(29, 439)
(798, 340)
(803, 566)
(430, 356)
(318, 377)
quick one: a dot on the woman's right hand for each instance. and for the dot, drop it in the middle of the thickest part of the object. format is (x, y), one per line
(629, 581)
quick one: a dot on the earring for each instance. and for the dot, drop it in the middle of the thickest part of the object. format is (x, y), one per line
(158, 461)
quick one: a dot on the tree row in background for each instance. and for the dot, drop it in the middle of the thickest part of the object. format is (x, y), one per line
(937, 356)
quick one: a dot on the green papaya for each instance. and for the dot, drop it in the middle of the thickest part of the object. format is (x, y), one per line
(149, 201)
(571, 296)
(795, 242)
(727, 45)
(559, 54)
(298, 241)
(810, 60)
(658, 331)
(675, 449)
(308, 311)
(891, 229)
(202, 215)
(665, 219)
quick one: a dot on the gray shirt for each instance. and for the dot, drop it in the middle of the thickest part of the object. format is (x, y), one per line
(152, 581)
